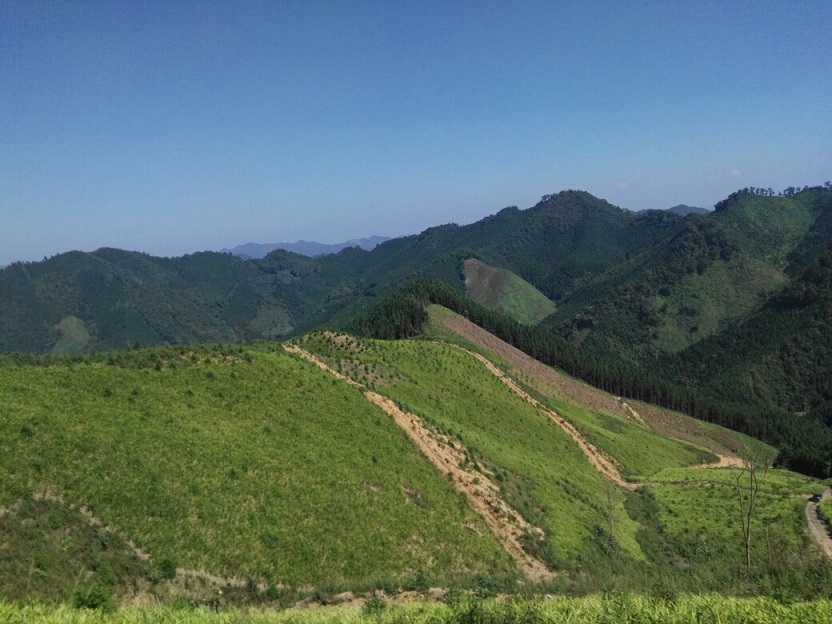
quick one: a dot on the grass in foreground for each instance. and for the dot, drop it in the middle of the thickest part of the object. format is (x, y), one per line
(593, 609)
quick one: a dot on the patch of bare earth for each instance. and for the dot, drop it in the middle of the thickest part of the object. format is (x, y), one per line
(725, 461)
(817, 527)
(574, 391)
(448, 455)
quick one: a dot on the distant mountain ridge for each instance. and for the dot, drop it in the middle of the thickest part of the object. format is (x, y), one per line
(683, 210)
(642, 288)
(305, 248)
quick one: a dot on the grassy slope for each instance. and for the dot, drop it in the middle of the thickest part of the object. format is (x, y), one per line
(689, 523)
(825, 510)
(446, 386)
(267, 468)
(596, 414)
(204, 457)
(51, 550)
(505, 291)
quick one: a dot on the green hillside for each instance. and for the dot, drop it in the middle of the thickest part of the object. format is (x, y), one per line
(716, 271)
(590, 524)
(631, 288)
(447, 387)
(505, 291)
(243, 463)
(805, 444)
(173, 472)
(113, 299)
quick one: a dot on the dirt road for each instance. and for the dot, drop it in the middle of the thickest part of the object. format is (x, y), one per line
(572, 390)
(817, 527)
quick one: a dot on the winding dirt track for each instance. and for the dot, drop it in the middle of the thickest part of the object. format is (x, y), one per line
(817, 527)
(448, 456)
(483, 494)
(574, 391)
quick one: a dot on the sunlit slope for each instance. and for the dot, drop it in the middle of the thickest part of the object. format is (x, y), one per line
(704, 280)
(543, 472)
(505, 291)
(642, 438)
(244, 462)
(687, 514)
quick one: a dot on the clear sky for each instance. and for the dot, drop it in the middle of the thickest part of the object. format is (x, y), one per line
(171, 127)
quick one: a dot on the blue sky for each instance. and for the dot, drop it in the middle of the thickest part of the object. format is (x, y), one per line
(173, 127)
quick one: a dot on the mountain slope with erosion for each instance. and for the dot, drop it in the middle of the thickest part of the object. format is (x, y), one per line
(250, 467)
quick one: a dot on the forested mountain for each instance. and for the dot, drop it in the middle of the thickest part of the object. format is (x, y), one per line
(716, 271)
(121, 298)
(683, 210)
(735, 302)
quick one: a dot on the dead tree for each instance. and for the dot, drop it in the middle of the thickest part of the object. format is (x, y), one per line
(755, 465)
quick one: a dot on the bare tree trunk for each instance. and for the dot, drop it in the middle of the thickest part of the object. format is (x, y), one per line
(753, 463)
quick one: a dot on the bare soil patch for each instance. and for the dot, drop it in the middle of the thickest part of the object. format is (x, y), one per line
(601, 462)
(725, 461)
(817, 527)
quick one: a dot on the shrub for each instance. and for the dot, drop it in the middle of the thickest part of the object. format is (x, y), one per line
(95, 597)
(167, 569)
(374, 606)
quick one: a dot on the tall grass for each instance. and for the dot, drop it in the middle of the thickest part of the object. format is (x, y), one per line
(594, 609)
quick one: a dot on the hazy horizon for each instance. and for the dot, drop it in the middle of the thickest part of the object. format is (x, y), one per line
(173, 128)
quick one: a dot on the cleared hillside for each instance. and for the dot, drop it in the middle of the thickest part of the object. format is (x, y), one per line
(503, 290)
(249, 464)
(554, 483)
(174, 472)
